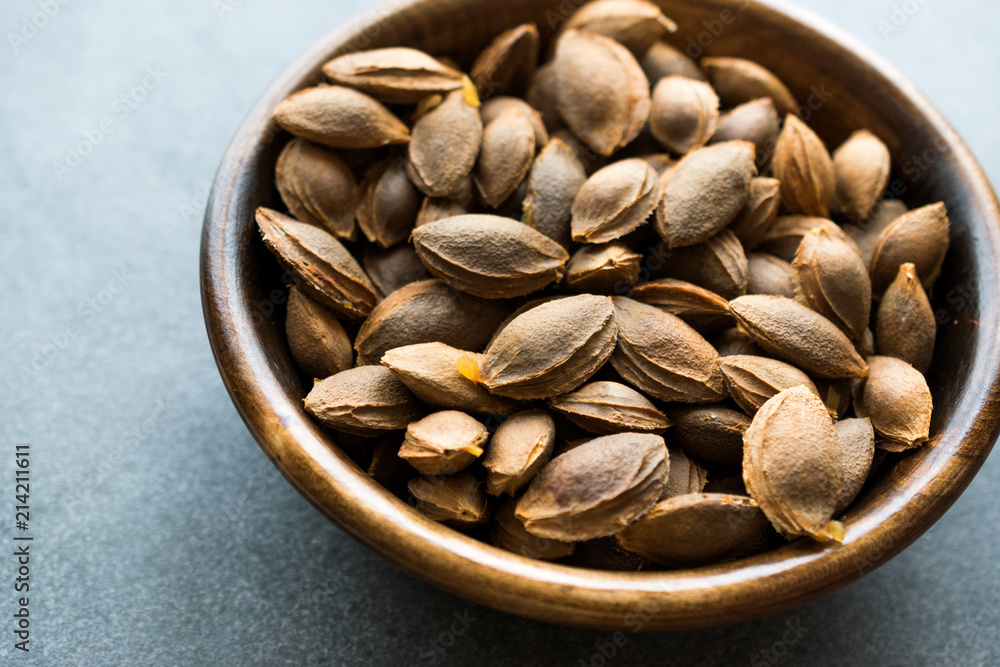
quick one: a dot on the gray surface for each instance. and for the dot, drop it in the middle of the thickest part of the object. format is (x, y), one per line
(163, 536)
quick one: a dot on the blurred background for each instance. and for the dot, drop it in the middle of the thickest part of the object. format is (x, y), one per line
(163, 536)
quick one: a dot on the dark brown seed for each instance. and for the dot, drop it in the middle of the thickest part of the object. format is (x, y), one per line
(318, 187)
(388, 469)
(697, 529)
(857, 441)
(389, 204)
(457, 501)
(439, 208)
(684, 114)
(392, 268)
(522, 444)
(663, 60)
(507, 532)
(785, 235)
(862, 165)
(896, 398)
(445, 144)
(609, 407)
(919, 237)
(508, 62)
(685, 476)
(443, 443)
(803, 165)
(636, 24)
(719, 264)
(802, 337)
(319, 344)
(341, 118)
(615, 201)
(906, 326)
(492, 109)
(752, 381)
(596, 489)
(323, 268)
(711, 433)
(705, 192)
(427, 312)
(507, 153)
(760, 212)
(831, 278)
(738, 81)
(364, 401)
(490, 256)
(756, 122)
(695, 305)
(609, 268)
(553, 183)
(398, 75)
(768, 274)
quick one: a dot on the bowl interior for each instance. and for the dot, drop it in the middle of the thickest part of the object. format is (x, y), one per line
(842, 91)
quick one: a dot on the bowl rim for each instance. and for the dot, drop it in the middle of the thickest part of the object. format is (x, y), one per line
(681, 599)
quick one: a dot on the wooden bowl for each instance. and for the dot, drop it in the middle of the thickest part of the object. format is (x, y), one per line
(848, 88)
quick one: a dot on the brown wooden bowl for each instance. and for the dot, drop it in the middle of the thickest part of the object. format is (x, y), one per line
(243, 298)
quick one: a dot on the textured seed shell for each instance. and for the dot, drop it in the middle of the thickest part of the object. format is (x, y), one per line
(831, 278)
(507, 532)
(636, 24)
(398, 75)
(785, 235)
(521, 445)
(738, 81)
(706, 191)
(796, 334)
(803, 165)
(439, 208)
(767, 274)
(590, 160)
(615, 201)
(508, 62)
(532, 357)
(866, 232)
(719, 264)
(603, 95)
(793, 465)
(605, 408)
(322, 266)
(906, 326)
(495, 106)
(695, 305)
(507, 153)
(759, 213)
(341, 118)
(919, 237)
(392, 268)
(862, 165)
(318, 342)
(596, 489)
(553, 183)
(445, 145)
(896, 399)
(664, 357)
(711, 433)
(857, 441)
(609, 268)
(364, 401)
(697, 529)
(489, 256)
(427, 312)
(389, 204)
(317, 187)
(430, 370)
(543, 95)
(757, 122)
(457, 501)
(684, 114)
(736, 341)
(663, 60)
(752, 380)
(443, 443)
(685, 475)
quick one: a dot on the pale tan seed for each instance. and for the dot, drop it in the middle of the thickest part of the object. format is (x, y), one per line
(793, 465)
(862, 165)
(759, 213)
(767, 274)
(318, 342)
(490, 256)
(857, 441)
(595, 489)
(664, 357)
(663, 60)
(896, 399)
(521, 445)
(636, 24)
(495, 106)
(458, 501)
(736, 341)
(609, 268)
(705, 192)
(553, 183)
(443, 443)
(507, 532)
(685, 475)
(753, 380)
(445, 145)
(365, 400)
(684, 114)
(831, 278)
(738, 81)
(906, 326)
(615, 201)
(803, 165)
(340, 118)
(507, 153)
(697, 529)
(389, 204)
(757, 122)
(427, 312)
(719, 264)
(323, 268)
(542, 95)
(710, 433)
(397, 75)
(392, 268)
(603, 95)
(796, 334)
(785, 235)
(318, 187)
(430, 371)
(919, 237)
(508, 62)
(605, 408)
